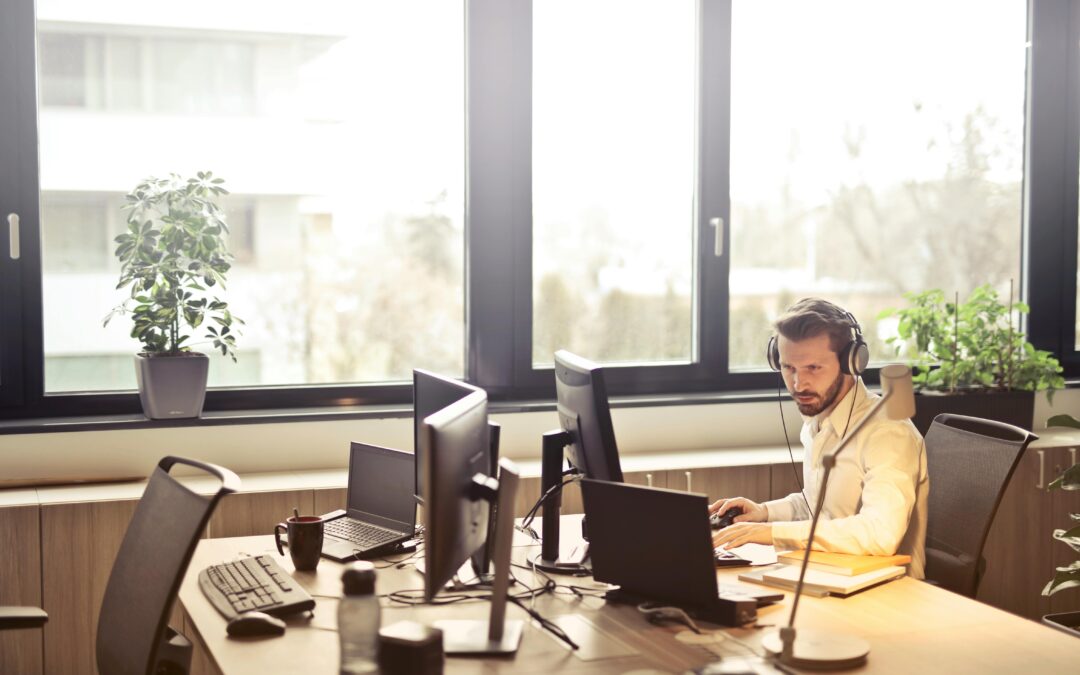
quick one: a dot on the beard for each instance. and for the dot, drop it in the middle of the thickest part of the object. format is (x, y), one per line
(821, 402)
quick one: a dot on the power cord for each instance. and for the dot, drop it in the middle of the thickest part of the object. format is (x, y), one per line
(783, 424)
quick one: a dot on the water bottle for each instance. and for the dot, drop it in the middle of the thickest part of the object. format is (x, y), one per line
(358, 620)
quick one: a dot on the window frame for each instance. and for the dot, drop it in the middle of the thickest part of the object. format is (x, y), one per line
(498, 234)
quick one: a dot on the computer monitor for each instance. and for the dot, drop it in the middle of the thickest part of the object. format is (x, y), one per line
(460, 492)
(586, 439)
(582, 403)
(431, 393)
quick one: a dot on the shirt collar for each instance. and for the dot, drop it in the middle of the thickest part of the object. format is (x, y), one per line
(842, 413)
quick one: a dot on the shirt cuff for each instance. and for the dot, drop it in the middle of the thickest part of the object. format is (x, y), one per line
(790, 536)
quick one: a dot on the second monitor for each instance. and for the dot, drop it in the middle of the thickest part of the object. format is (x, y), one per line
(585, 440)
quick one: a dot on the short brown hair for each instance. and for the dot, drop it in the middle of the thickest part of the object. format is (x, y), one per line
(810, 317)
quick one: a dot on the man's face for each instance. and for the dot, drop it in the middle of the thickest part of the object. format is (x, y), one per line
(812, 374)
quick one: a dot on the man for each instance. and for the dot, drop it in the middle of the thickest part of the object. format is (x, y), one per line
(875, 502)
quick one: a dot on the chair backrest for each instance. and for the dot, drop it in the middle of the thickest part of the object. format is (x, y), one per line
(150, 565)
(970, 461)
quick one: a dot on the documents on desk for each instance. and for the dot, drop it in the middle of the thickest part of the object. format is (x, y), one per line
(818, 583)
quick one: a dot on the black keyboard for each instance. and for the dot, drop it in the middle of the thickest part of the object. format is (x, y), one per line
(253, 584)
(362, 534)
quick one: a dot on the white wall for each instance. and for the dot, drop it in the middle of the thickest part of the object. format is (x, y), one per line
(250, 448)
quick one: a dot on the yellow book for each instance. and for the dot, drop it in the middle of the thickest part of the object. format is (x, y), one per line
(843, 563)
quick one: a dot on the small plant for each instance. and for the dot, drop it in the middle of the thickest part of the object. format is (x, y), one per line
(1069, 575)
(957, 346)
(172, 255)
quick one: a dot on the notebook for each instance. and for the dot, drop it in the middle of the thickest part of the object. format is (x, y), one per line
(843, 563)
(380, 511)
(818, 583)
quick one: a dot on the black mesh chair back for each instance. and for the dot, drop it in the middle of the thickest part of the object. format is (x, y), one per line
(145, 579)
(969, 461)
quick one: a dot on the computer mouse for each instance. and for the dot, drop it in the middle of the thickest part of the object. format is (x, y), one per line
(719, 522)
(254, 623)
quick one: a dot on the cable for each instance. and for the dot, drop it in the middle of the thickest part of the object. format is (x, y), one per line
(531, 515)
(783, 423)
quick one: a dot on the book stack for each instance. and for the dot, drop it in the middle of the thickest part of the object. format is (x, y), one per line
(830, 573)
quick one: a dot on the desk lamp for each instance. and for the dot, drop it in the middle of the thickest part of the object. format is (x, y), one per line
(821, 650)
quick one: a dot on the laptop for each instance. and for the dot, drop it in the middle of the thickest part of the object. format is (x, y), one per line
(656, 545)
(380, 511)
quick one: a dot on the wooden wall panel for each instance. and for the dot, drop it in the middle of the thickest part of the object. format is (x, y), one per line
(784, 480)
(329, 499)
(246, 514)
(79, 543)
(751, 482)
(20, 585)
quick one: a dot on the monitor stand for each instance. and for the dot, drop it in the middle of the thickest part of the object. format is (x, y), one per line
(551, 465)
(497, 635)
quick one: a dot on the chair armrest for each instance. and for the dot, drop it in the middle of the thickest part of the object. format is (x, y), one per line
(22, 617)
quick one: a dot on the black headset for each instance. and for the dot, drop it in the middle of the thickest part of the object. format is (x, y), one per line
(854, 357)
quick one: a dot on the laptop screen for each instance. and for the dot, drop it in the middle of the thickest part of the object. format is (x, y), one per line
(381, 486)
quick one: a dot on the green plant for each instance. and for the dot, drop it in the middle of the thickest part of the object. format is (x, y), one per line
(172, 255)
(973, 344)
(1069, 575)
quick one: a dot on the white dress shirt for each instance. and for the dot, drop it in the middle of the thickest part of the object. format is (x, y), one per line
(876, 499)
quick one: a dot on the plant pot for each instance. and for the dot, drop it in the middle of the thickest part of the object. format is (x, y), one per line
(172, 387)
(1012, 407)
(1066, 622)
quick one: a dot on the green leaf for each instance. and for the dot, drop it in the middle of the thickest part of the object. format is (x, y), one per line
(1066, 577)
(1063, 421)
(1070, 537)
(1070, 480)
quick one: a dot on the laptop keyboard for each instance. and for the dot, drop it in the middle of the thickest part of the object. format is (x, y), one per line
(362, 534)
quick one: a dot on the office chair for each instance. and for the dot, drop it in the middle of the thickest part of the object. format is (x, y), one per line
(133, 636)
(970, 461)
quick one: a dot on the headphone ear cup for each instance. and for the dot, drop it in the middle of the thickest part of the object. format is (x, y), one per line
(860, 356)
(772, 354)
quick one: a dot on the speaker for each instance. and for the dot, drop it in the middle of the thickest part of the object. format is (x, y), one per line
(854, 357)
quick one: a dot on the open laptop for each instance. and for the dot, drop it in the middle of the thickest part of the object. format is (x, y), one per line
(656, 545)
(380, 511)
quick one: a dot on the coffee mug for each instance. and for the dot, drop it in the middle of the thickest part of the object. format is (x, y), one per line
(305, 540)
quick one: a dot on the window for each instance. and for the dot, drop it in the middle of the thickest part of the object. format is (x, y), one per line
(613, 179)
(347, 216)
(866, 164)
(467, 187)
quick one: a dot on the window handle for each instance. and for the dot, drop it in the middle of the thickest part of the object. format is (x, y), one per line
(13, 235)
(718, 245)
(1042, 470)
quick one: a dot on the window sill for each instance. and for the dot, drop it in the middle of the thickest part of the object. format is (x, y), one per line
(45, 425)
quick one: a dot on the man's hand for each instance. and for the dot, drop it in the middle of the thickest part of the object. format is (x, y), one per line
(751, 511)
(743, 533)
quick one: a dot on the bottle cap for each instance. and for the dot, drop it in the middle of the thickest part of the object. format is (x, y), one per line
(359, 578)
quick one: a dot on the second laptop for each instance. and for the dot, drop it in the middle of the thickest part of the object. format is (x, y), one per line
(380, 511)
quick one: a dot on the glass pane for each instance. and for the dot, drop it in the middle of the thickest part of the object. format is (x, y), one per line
(339, 133)
(876, 149)
(613, 179)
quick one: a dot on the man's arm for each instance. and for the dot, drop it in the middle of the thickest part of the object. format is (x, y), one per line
(792, 507)
(892, 457)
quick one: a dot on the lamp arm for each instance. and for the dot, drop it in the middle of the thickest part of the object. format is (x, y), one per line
(828, 461)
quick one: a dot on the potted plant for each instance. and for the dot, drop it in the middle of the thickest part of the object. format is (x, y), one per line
(173, 257)
(1067, 576)
(968, 358)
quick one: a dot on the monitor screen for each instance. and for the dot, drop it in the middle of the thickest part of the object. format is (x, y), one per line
(584, 414)
(380, 486)
(432, 393)
(455, 447)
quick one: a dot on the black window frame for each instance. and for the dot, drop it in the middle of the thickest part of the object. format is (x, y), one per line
(498, 242)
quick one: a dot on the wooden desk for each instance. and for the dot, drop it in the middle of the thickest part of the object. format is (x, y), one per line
(912, 627)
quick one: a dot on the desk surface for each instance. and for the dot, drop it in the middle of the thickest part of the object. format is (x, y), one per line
(911, 627)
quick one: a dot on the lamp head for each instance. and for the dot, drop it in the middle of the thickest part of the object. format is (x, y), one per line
(898, 391)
